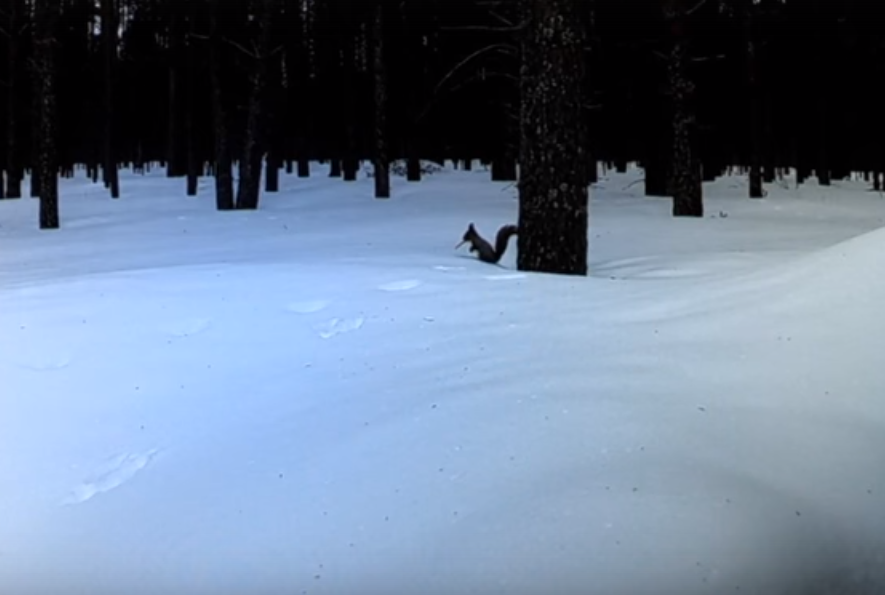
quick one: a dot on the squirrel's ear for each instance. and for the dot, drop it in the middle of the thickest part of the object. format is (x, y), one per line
(470, 226)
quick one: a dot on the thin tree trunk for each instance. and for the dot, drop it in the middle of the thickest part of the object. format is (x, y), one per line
(755, 185)
(193, 165)
(46, 15)
(553, 193)
(109, 36)
(224, 184)
(382, 170)
(685, 172)
(14, 171)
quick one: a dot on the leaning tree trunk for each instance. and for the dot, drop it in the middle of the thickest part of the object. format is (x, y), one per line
(46, 14)
(553, 179)
(381, 170)
(685, 181)
(224, 181)
(109, 36)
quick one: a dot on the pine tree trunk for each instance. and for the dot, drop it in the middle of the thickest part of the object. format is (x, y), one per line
(193, 163)
(46, 15)
(382, 170)
(222, 168)
(413, 168)
(172, 158)
(14, 168)
(109, 36)
(335, 168)
(755, 185)
(303, 169)
(685, 182)
(249, 187)
(553, 193)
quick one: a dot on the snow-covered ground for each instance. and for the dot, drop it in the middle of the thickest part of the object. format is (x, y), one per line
(323, 397)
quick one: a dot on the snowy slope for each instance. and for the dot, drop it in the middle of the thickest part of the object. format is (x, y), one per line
(323, 397)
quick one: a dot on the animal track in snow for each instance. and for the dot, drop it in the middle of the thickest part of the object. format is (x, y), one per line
(337, 326)
(188, 327)
(308, 307)
(506, 277)
(118, 471)
(400, 285)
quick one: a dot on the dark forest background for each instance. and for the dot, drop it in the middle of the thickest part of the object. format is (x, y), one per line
(203, 86)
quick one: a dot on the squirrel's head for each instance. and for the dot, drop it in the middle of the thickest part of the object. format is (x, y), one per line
(468, 235)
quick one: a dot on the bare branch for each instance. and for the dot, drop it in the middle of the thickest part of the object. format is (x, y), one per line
(690, 11)
(708, 58)
(243, 49)
(492, 28)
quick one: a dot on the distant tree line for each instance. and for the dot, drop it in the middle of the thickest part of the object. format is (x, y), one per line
(686, 88)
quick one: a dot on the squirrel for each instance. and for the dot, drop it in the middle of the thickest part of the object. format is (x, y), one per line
(483, 249)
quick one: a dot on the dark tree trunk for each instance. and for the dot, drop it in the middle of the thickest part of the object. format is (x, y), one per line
(503, 170)
(685, 182)
(382, 170)
(335, 168)
(173, 159)
(249, 186)
(109, 36)
(413, 169)
(272, 172)
(755, 185)
(46, 15)
(350, 165)
(193, 163)
(222, 168)
(303, 167)
(553, 193)
(14, 171)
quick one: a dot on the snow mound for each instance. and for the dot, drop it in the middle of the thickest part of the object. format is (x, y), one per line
(849, 275)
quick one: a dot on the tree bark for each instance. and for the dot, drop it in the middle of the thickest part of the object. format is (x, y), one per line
(685, 182)
(14, 168)
(222, 169)
(46, 15)
(249, 185)
(755, 179)
(553, 192)
(109, 36)
(381, 166)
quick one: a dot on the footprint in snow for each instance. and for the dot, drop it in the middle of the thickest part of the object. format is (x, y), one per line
(308, 307)
(115, 473)
(400, 285)
(337, 326)
(188, 327)
(506, 277)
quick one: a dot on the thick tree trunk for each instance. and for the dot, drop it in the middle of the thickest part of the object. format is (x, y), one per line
(381, 166)
(46, 14)
(14, 168)
(303, 168)
(553, 193)
(222, 168)
(685, 182)
(413, 168)
(109, 36)
(249, 186)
